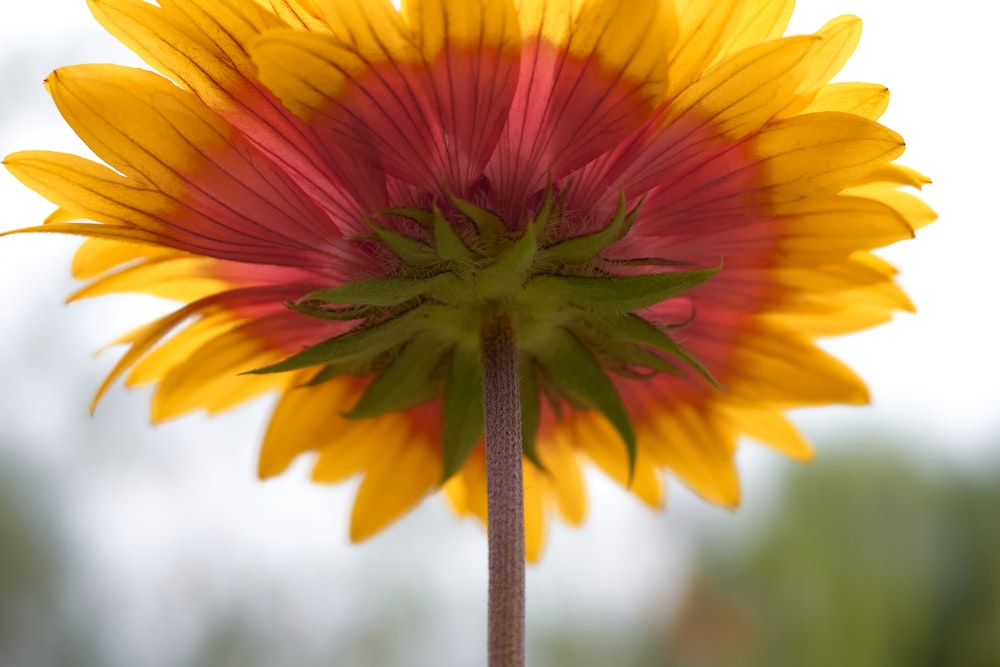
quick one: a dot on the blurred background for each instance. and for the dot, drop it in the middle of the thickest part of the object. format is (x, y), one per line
(123, 544)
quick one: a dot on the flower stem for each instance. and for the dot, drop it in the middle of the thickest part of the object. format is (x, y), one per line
(505, 491)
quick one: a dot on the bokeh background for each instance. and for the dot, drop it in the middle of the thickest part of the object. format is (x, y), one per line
(123, 544)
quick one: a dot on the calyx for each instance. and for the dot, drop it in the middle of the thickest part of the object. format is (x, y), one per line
(574, 319)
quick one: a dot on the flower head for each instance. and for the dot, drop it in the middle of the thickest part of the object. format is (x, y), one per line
(670, 199)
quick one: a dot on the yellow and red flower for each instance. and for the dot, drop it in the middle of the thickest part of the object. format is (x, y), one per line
(670, 196)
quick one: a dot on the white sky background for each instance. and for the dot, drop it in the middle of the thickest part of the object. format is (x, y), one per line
(190, 484)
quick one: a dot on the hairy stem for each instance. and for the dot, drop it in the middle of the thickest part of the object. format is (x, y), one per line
(505, 491)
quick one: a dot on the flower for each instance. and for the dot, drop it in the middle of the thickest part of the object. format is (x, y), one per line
(670, 197)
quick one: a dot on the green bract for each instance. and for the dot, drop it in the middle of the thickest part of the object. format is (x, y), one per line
(574, 321)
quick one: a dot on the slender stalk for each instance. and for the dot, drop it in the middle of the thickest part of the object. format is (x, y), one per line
(505, 491)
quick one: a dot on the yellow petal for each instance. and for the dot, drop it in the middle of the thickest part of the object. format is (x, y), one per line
(550, 19)
(97, 256)
(831, 228)
(299, 14)
(98, 192)
(831, 319)
(185, 165)
(62, 215)
(741, 93)
(592, 434)
(868, 100)
(917, 213)
(306, 70)
(759, 21)
(896, 174)
(837, 277)
(347, 447)
(696, 448)
(820, 154)
(141, 341)
(133, 212)
(175, 350)
(769, 427)
(400, 472)
(184, 278)
(700, 25)
(787, 370)
(837, 41)
(311, 418)
(211, 379)
(204, 46)
(480, 24)
(466, 489)
(630, 37)
(165, 138)
(104, 232)
(535, 496)
(564, 479)
(201, 43)
(373, 29)
(108, 106)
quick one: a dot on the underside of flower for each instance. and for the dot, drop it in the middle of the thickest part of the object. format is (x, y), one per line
(669, 198)
(571, 307)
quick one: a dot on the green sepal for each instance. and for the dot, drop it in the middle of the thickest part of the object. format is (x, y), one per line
(643, 261)
(609, 342)
(585, 248)
(350, 313)
(381, 292)
(406, 382)
(421, 216)
(629, 372)
(571, 367)
(448, 244)
(618, 295)
(411, 251)
(357, 368)
(489, 224)
(552, 397)
(511, 270)
(549, 211)
(462, 411)
(531, 412)
(452, 288)
(364, 342)
(641, 331)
